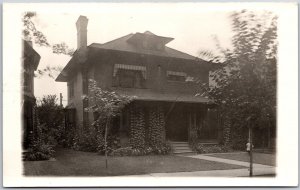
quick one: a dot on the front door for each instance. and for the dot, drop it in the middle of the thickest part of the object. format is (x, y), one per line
(177, 125)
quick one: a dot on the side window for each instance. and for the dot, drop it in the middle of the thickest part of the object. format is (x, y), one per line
(71, 89)
(176, 76)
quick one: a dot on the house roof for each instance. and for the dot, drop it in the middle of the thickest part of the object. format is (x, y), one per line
(123, 44)
(150, 95)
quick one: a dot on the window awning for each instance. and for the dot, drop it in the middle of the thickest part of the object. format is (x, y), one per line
(130, 67)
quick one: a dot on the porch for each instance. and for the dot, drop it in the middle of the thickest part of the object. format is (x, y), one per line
(168, 121)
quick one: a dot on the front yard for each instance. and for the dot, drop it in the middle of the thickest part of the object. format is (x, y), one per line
(77, 163)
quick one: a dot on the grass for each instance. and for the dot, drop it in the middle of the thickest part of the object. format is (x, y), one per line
(258, 158)
(76, 163)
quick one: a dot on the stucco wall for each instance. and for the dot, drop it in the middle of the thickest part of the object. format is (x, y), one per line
(76, 100)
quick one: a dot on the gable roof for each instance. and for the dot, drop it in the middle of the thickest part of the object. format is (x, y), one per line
(123, 44)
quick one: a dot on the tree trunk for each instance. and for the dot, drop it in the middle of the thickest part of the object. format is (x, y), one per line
(251, 153)
(105, 142)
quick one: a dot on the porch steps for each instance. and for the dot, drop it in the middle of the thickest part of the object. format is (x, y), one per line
(181, 148)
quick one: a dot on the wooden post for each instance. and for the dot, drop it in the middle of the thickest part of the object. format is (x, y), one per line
(60, 98)
(251, 153)
(190, 125)
(195, 120)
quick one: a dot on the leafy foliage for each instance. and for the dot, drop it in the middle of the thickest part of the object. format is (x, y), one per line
(107, 105)
(49, 129)
(137, 127)
(32, 33)
(204, 149)
(39, 151)
(245, 85)
(147, 150)
(49, 112)
(156, 127)
(62, 48)
(50, 71)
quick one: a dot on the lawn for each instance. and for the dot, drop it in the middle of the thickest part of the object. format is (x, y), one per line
(258, 158)
(76, 163)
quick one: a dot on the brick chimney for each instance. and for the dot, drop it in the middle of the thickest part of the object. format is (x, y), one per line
(81, 26)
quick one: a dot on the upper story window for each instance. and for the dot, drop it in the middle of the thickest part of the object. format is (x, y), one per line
(129, 76)
(176, 76)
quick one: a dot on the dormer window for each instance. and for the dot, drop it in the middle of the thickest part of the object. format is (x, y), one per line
(176, 76)
(129, 76)
(149, 41)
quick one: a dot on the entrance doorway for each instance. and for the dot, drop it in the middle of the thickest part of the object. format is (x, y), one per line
(177, 125)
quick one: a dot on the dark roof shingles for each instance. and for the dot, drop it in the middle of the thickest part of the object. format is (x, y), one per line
(121, 44)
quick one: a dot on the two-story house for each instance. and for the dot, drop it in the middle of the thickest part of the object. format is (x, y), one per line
(30, 61)
(141, 65)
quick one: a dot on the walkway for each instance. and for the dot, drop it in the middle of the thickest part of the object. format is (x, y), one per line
(258, 169)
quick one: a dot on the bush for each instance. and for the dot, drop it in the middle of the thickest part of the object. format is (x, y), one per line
(162, 149)
(39, 151)
(130, 151)
(205, 148)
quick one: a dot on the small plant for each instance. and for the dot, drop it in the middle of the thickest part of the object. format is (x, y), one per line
(148, 150)
(204, 149)
(39, 151)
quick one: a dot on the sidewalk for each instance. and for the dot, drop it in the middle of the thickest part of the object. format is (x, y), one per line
(258, 169)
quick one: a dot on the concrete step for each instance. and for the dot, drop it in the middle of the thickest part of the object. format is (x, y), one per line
(179, 143)
(181, 148)
(184, 152)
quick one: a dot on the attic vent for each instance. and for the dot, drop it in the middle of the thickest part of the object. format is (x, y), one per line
(130, 67)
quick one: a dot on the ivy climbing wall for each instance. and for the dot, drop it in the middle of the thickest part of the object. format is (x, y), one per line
(156, 132)
(152, 132)
(137, 126)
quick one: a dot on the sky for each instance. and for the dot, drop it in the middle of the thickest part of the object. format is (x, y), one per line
(193, 30)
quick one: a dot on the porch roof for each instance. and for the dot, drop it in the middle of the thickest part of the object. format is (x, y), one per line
(150, 95)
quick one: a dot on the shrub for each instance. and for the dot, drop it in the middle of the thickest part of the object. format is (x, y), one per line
(39, 151)
(162, 149)
(205, 148)
(113, 143)
(148, 150)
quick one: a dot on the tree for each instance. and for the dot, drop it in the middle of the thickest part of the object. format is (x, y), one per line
(31, 33)
(50, 118)
(107, 105)
(245, 85)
